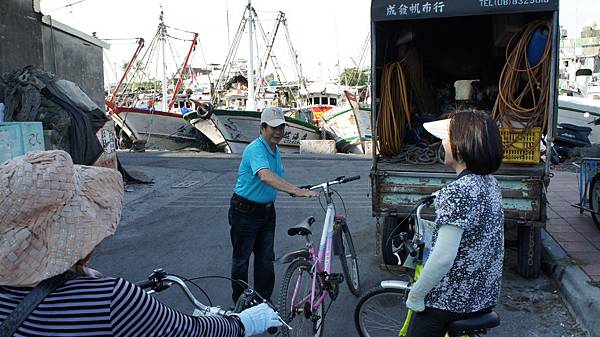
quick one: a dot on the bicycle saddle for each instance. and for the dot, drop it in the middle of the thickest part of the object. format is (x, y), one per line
(474, 324)
(302, 228)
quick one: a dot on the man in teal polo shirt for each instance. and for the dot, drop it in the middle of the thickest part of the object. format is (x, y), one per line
(252, 209)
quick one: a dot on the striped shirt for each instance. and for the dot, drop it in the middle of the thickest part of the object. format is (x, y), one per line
(89, 306)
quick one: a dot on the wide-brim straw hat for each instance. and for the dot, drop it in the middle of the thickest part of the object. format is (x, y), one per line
(52, 214)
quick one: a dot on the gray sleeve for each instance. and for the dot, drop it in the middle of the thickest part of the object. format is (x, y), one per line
(440, 261)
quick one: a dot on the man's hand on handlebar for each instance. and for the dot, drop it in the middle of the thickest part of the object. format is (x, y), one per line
(300, 192)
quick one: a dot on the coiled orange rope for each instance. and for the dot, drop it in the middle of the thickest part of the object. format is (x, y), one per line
(524, 90)
(393, 118)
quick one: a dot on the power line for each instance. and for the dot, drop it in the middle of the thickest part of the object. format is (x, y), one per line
(68, 5)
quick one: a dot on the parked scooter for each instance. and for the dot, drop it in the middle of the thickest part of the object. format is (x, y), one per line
(568, 137)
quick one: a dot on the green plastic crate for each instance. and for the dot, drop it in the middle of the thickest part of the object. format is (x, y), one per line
(18, 138)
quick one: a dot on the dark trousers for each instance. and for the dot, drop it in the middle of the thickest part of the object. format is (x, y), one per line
(434, 322)
(252, 232)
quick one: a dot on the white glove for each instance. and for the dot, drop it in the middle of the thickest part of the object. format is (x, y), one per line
(415, 302)
(258, 319)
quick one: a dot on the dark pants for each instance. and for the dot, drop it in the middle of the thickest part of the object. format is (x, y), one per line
(434, 322)
(252, 231)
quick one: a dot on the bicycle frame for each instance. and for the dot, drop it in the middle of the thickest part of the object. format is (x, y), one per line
(322, 259)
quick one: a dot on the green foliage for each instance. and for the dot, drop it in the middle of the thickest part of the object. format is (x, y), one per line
(147, 85)
(355, 77)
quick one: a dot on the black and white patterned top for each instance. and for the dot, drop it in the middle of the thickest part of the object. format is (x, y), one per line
(473, 203)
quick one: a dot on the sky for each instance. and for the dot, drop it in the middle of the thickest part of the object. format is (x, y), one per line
(325, 33)
(322, 31)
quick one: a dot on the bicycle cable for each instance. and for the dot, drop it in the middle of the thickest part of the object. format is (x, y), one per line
(320, 203)
(324, 314)
(343, 203)
(195, 285)
(239, 282)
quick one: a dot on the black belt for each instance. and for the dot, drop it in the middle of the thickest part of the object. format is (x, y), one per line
(251, 203)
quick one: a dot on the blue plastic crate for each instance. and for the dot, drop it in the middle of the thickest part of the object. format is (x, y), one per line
(18, 138)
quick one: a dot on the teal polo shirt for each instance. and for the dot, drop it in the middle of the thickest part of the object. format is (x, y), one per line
(258, 155)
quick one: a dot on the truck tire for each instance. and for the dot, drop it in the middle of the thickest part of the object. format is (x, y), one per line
(390, 227)
(389, 223)
(529, 255)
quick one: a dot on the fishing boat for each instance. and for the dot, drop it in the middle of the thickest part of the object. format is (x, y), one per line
(236, 120)
(321, 98)
(232, 130)
(350, 126)
(154, 117)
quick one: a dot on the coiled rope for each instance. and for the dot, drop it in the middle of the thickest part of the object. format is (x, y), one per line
(524, 90)
(393, 118)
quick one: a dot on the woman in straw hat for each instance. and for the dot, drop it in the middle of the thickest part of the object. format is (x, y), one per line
(52, 216)
(462, 276)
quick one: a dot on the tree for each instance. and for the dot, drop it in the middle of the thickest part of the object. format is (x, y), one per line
(355, 77)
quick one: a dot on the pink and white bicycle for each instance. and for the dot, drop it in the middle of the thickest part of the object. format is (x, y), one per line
(308, 280)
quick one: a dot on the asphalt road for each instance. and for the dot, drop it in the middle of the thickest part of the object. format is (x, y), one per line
(180, 224)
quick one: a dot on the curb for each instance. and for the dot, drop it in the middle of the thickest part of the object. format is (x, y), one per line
(581, 296)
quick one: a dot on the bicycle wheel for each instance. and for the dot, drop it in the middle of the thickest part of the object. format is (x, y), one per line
(300, 318)
(381, 312)
(349, 261)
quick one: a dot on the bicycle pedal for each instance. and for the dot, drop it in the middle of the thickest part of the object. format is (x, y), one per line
(336, 278)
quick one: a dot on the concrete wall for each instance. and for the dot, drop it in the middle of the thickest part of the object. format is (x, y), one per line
(76, 60)
(20, 35)
(26, 40)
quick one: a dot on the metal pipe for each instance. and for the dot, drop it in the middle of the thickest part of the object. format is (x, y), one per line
(250, 104)
(552, 102)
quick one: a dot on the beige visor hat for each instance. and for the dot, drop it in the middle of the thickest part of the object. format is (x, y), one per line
(440, 129)
(52, 214)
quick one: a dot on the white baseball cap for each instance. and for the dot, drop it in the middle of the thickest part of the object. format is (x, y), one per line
(273, 116)
(440, 129)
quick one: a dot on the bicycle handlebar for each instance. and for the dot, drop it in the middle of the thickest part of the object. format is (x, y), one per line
(338, 180)
(160, 280)
(145, 284)
(347, 180)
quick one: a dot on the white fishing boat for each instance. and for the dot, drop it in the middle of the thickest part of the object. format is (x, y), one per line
(350, 126)
(153, 116)
(233, 128)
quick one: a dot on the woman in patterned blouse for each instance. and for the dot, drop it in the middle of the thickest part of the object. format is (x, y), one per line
(462, 276)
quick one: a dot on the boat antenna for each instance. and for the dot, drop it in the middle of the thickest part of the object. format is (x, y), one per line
(227, 12)
(163, 39)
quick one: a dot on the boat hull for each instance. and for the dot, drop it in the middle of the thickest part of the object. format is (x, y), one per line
(233, 130)
(351, 128)
(162, 130)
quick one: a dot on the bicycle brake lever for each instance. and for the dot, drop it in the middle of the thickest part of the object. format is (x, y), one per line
(278, 317)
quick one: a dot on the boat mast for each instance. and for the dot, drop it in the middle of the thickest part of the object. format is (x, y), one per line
(250, 103)
(163, 39)
(183, 69)
(129, 65)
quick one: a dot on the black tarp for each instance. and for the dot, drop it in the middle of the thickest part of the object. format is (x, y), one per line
(31, 94)
(386, 10)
